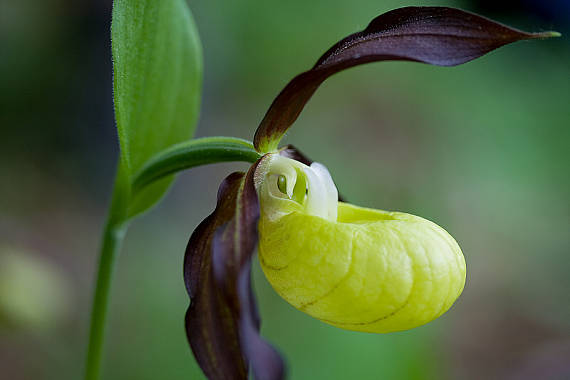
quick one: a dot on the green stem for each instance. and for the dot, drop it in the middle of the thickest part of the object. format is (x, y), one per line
(112, 239)
(113, 235)
(177, 158)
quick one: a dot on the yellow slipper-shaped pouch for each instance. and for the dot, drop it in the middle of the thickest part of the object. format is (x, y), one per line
(355, 268)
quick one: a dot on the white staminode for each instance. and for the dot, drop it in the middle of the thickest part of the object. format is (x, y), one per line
(322, 198)
(309, 189)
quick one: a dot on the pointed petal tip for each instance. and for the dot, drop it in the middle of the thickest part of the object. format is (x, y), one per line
(548, 34)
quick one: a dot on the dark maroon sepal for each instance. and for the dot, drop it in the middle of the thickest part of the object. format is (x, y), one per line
(211, 324)
(435, 35)
(266, 362)
(222, 322)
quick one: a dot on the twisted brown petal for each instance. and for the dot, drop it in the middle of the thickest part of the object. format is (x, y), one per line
(222, 322)
(435, 35)
(233, 247)
(211, 324)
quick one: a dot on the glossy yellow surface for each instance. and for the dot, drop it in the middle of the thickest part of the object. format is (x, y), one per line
(368, 270)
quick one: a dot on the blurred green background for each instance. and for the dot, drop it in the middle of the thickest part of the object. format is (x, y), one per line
(482, 149)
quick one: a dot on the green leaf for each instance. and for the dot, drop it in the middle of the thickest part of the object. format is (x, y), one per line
(189, 154)
(157, 82)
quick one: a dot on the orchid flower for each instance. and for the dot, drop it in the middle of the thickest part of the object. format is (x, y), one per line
(354, 268)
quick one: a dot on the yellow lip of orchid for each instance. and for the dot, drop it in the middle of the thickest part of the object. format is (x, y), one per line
(352, 267)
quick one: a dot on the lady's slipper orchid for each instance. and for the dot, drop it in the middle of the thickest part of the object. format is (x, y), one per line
(352, 267)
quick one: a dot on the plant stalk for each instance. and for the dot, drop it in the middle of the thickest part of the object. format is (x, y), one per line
(113, 235)
(112, 239)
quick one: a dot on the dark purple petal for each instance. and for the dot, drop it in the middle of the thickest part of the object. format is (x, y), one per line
(235, 242)
(233, 247)
(222, 322)
(435, 35)
(211, 324)
(265, 361)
